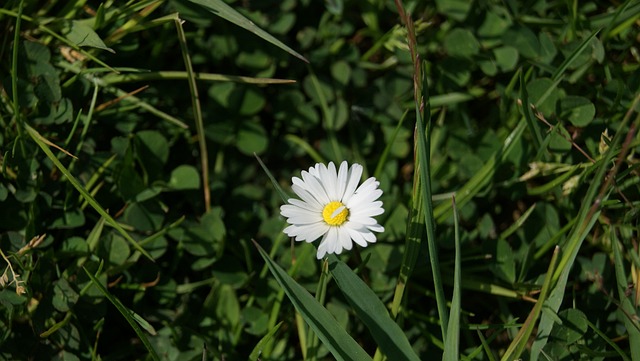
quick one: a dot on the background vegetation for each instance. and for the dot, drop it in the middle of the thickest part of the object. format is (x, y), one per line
(130, 192)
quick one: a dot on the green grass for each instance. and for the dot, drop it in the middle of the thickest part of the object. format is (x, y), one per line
(146, 147)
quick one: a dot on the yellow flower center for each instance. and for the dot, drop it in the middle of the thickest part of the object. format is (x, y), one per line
(335, 213)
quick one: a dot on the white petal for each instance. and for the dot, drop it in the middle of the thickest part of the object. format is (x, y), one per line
(366, 221)
(307, 232)
(321, 251)
(369, 237)
(368, 210)
(288, 210)
(305, 205)
(314, 170)
(306, 196)
(304, 219)
(329, 178)
(343, 172)
(353, 179)
(357, 237)
(376, 228)
(316, 188)
(345, 238)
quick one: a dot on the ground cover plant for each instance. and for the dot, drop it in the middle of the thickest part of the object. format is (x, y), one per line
(148, 146)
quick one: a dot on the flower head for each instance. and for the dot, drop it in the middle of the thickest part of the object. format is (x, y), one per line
(331, 207)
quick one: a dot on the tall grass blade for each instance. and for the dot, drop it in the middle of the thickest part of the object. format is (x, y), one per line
(372, 312)
(424, 168)
(518, 344)
(341, 345)
(197, 114)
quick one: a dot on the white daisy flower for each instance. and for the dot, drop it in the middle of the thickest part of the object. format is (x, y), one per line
(333, 208)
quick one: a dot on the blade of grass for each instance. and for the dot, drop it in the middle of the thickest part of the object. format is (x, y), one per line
(522, 338)
(452, 342)
(306, 147)
(565, 64)
(387, 148)
(630, 312)
(311, 353)
(528, 113)
(257, 350)
(14, 71)
(423, 108)
(129, 315)
(221, 9)
(609, 341)
(111, 79)
(371, 311)
(43, 144)
(74, 68)
(283, 195)
(197, 114)
(415, 231)
(341, 345)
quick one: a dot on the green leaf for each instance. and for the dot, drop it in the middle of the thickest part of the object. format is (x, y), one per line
(461, 42)
(221, 9)
(64, 296)
(578, 110)
(372, 312)
(341, 345)
(523, 39)
(82, 35)
(544, 94)
(184, 177)
(573, 327)
(252, 138)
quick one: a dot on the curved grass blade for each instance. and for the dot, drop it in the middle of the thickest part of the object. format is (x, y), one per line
(221, 9)
(129, 315)
(522, 338)
(43, 143)
(253, 356)
(565, 64)
(341, 345)
(372, 312)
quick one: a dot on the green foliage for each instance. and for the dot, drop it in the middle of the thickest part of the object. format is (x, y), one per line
(145, 144)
